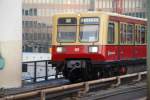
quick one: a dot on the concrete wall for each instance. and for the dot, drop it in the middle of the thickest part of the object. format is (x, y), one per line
(11, 42)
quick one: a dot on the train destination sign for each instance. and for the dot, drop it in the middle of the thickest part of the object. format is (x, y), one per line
(89, 20)
(67, 21)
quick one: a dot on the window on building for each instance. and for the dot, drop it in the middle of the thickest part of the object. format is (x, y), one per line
(27, 24)
(140, 15)
(35, 36)
(39, 25)
(39, 12)
(39, 36)
(26, 36)
(144, 4)
(31, 36)
(23, 48)
(144, 16)
(43, 37)
(130, 14)
(35, 24)
(29, 49)
(43, 25)
(31, 12)
(26, 12)
(23, 36)
(32, 23)
(111, 33)
(48, 37)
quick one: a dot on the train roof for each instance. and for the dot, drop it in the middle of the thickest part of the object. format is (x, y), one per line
(121, 15)
(106, 13)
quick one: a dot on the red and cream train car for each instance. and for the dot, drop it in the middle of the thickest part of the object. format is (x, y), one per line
(92, 45)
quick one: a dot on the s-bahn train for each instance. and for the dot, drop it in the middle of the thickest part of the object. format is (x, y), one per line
(92, 45)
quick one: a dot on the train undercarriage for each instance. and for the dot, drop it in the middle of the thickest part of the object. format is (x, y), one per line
(77, 70)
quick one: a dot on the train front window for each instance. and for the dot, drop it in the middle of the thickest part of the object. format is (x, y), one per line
(67, 33)
(89, 29)
(66, 30)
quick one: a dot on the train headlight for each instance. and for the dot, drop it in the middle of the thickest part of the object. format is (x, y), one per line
(59, 49)
(93, 49)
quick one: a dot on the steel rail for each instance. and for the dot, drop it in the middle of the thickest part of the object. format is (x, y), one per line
(83, 86)
(119, 92)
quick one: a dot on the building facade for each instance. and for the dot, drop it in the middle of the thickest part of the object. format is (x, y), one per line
(36, 36)
(136, 8)
(37, 20)
(37, 17)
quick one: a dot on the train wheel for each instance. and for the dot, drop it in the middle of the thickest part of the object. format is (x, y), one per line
(75, 76)
(78, 75)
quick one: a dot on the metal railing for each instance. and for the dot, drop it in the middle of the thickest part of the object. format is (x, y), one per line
(46, 71)
(82, 87)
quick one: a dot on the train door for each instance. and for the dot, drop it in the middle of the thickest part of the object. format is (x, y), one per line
(137, 41)
(140, 41)
(129, 48)
(122, 40)
(112, 41)
(126, 41)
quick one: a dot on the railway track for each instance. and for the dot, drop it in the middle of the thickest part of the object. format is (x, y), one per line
(125, 92)
(77, 90)
(34, 87)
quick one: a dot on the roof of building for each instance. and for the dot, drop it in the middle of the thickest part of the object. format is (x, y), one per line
(108, 13)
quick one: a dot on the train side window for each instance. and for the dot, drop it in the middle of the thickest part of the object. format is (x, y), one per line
(129, 34)
(111, 33)
(123, 28)
(143, 34)
(137, 34)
